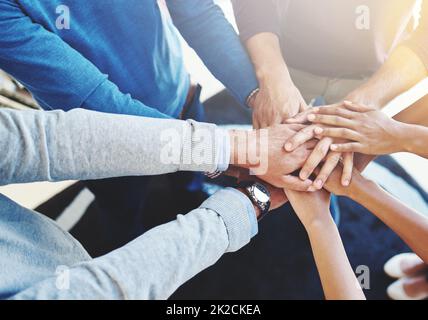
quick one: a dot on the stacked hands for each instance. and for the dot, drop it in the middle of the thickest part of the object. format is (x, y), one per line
(312, 154)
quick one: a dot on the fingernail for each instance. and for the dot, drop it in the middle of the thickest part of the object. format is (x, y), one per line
(291, 120)
(346, 183)
(312, 189)
(347, 102)
(288, 147)
(304, 175)
(318, 130)
(319, 183)
(333, 147)
(315, 110)
(311, 117)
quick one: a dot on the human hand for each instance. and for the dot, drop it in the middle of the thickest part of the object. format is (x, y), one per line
(310, 207)
(262, 151)
(278, 197)
(321, 152)
(368, 130)
(277, 100)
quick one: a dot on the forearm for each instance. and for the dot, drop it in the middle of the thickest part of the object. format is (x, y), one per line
(154, 265)
(403, 70)
(60, 77)
(82, 144)
(265, 53)
(337, 277)
(411, 226)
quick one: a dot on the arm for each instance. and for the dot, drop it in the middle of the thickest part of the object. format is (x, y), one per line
(154, 265)
(410, 225)
(337, 277)
(406, 66)
(86, 145)
(58, 76)
(204, 26)
(82, 144)
(278, 98)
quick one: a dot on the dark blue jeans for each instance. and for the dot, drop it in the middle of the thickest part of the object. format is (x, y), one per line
(120, 202)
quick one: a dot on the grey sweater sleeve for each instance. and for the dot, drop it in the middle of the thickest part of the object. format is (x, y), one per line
(418, 41)
(82, 144)
(154, 265)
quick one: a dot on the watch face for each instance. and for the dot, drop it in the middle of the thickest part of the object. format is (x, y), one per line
(260, 195)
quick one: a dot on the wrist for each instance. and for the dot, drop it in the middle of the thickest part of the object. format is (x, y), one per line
(360, 188)
(272, 75)
(256, 208)
(319, 224)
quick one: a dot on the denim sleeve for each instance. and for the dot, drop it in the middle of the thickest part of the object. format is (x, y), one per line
(256, 16)
(204, 26)
(418, 42)
(154, 265)
(58, 76)
(86, 145)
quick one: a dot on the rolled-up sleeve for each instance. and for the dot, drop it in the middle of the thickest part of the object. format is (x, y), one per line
(418, 42)
(256, 16)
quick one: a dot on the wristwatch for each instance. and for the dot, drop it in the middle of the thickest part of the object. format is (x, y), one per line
(260, 196)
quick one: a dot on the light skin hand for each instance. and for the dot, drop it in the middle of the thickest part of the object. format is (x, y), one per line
(337, 277)
(275, 102)
(278, 98)
(321, 154)
(272, 163)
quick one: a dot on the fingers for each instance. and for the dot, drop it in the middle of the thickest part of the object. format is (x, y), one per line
(348, 166)
(256, 123)
(303, 106)
(348, 147)
(331, 120)
(330, 164)
(300, 138)
(310, 145)
(296, 184)
(318, 155)
(296, 127)
(342, 133)
(300, 118)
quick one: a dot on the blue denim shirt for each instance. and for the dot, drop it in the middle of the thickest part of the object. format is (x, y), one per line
(118, 56)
